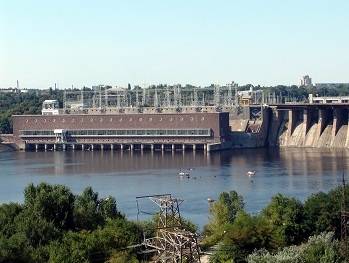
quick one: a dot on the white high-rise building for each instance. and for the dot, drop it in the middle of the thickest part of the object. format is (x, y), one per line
(304, 81)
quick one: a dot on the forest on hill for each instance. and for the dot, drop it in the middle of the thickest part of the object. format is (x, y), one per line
(55, 225)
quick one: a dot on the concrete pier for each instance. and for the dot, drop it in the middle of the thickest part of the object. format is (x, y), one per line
(320, 126)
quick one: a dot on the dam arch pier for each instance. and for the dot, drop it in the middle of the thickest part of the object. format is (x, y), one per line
(311, 125)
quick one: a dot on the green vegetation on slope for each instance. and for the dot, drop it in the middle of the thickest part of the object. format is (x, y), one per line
(54, 225)
(284, 231)
(23, 103)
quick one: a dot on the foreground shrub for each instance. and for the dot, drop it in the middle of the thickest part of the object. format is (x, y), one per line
(322, 248)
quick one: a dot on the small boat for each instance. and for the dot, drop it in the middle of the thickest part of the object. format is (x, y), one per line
(251, 172)
(210, 200)
(183, 174)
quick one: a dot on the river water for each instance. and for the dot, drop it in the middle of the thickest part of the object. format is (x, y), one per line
(294, 172)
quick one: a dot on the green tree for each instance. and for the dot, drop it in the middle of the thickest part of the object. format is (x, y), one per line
(37, 230)
(43, 230)
(321, 248)
(286, 216)
(91, 212)
(24, 103)
(225, 209)
(54, 203)
(316, 213)
(5, 125)
(14, 249)
(322, 212)
(243, 236)
(121, 257)
(97, 245)
(222, 214)
(8, 212)
(47, 212)
(86, 214)
(108, 208)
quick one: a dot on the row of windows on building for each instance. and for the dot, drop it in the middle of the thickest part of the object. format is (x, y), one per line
(191, 132)
(119, 119)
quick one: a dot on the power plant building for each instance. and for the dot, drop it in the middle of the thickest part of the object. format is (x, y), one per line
(208, 131)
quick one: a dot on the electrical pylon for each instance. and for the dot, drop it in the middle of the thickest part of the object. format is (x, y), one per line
(344, 221)
(172, 242)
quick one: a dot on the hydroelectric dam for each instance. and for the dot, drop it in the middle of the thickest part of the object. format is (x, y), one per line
(181, 119)
(320, 125)
(316, 125)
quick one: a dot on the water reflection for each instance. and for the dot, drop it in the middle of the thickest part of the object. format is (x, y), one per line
(294, 172)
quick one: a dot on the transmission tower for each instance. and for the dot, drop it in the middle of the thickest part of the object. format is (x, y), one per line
(344, 221)
(196, 100)
(137, 99)
(217, 90)
(172, 242)
(167, 98)
(230, 93)
(177, 95)
(64, 100)
(236, 98)
(156, 99)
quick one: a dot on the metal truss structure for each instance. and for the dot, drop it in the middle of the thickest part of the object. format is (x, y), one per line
(175, 96)
(171, 243)
(344, 222)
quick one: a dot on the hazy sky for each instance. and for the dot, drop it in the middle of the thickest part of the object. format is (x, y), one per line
(86, 43)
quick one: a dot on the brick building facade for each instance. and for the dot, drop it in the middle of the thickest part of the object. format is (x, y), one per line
(104, 130)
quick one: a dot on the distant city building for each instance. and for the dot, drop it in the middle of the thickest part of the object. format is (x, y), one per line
(304, 81)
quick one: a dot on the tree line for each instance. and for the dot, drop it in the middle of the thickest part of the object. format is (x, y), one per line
(286, 230)
(55, 225)
(24, 103)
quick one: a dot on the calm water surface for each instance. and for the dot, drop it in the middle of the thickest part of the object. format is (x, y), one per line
(125, 175)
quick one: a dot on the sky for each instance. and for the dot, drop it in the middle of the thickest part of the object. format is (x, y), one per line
(78, 43)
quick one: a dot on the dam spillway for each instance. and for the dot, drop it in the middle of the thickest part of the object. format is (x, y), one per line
(309, 125)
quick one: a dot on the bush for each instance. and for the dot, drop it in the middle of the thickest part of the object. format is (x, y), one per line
(322, 248)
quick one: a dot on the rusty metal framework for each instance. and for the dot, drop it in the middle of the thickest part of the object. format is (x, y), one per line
(344, 221)
(344, 217)
(171, 243)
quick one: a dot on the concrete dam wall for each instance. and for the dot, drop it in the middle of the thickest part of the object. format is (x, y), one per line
(321, 126)
(253, 126)
(250, 129)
